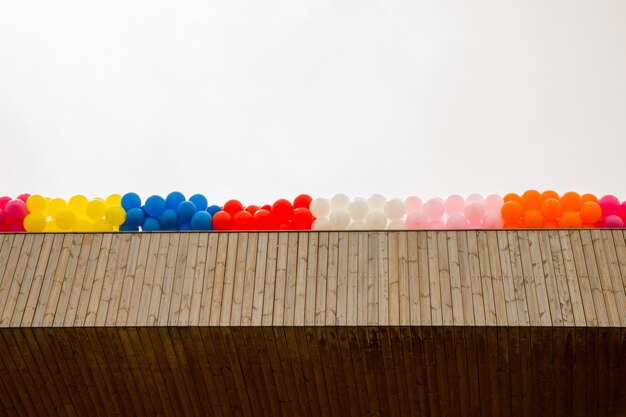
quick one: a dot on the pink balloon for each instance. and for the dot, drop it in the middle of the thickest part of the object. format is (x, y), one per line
(23, 197)
(15, 211)
(609, 205)
(434, 209)
(622, 211)
(15, 227)
(612, 221)
(493, 221)
(475, 212)
(436, 225)
(412, 204)
(493, 203)
(454, 204)
(3, 218)
(417, 220)
(474, 198)
(4, 201)
(456, 221)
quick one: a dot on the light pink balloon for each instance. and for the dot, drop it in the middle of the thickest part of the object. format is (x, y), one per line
(474, 198)
(475, 225)
(413, 204)
(612, 221)
(436, 225)
(493, 203)
(456, 221)
(475, 212)
(493, 221)
(609, 204)
(417, 221)
(454, 204)
(434, 209)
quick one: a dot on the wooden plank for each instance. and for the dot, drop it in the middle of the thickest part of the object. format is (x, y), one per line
(612, 271)
(270, 279)
(613, 290)
(9, 269)
(238, 280)
(28, 257)
(55, 310)
(334, 364)
(523, 307)
(357, 394)
(336, 403)
(89, 312)
(321, 279)
(447, 313)
(218, 280)
(296, 297)
(85, 289)
(334, 275)
(133, 281)
(493, 299)
(249, 280)
(508, 277)
(140, 308)
(436, 308)
(458, 309)
(556, 279)
(169, 273)
(451, 366)
(490, 239)
(374, 281)
(158, 281)
(114, 274)
(278, 375)
(349, 299)
(213, 371)
(259, 279)
(171, 311)
(188, 279)
(393, 263)
(247, 397)
(563, 244)
(478, 298)
(209, 280)
(281, 280)
(41, 243)
(53, 273)
(396, 390)
(515, 371)
(436, 406)
(413, 279)
(593, 302)
(536, 313)
(547, 297)
(471, 349)
(199, 277)
(200, 365)
(269, 381)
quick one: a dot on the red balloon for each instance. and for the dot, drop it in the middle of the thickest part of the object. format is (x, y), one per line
(286, 226)
(23, 197)
(15, 227)
(4, 201)
(267, 207)
(232, 207)
(243, 221)
(302, 219)
(283, 210)
(252, 209)
(302, 201)
(3, 219)
(222, 220)
(263, 220)
(15, 210)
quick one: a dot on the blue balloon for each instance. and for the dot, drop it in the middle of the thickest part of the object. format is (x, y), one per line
(150, 224)
(200, 201)
(184, 226)
(186, 210)
(169, 219)
(126, 228)
(201, 221)
(154, 205)
(213, 209)
(131, 201)
(135, 217)
(173, 199)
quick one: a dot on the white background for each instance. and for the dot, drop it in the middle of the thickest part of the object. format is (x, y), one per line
(259, 100)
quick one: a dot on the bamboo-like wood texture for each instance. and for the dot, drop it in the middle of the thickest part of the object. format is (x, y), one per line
(441, 323)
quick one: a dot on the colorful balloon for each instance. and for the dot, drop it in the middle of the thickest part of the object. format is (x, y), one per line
(232, 207)
(302, 201)
(531, 200)
(590, 212)
(512, 212)
(35, 222)
(36, 204)
(302, 218)
(222, 220)
(95, 209)
(551, 209)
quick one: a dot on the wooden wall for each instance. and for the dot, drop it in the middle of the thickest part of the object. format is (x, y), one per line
(314, 323)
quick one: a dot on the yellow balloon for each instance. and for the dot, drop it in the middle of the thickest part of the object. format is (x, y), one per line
(77, 203)
(115, 215)
(51, 227)
(65, 219)
(82, 225)
(36, 203)
(102, 225)
(34, 222)
(95, 209)
(56, 205)
(114, 200)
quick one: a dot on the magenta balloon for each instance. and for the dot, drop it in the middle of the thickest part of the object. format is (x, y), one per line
(3, 201)
(622, 211)
(417, 221)
(456, 221)
(612, 221)
(16, 210)
(609, 205)
(434, 209)
(475, 212)
(3, 218)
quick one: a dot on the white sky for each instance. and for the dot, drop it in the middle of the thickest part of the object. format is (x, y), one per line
(259, 100)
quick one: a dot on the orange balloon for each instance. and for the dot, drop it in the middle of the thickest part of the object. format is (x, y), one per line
(512, 212)
(549, 194)
(550, 225)
(588, 226)
(531, 200)
(512, 225)
(512, 197)
(570, 220)
(589, 197)
(533, 219)
(590, 212)
(571, 201)
(551, 209)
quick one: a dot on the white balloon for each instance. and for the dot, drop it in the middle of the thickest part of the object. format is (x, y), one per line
(396, 225)
(493, 203)
(376, 202)
(417, 220)
(321, 224)
(357, 226)
(358, 209)
(394, 209)
(339, 201)
(339, 219)
(412, 204)
(376, 220)
(456, 221)
(454, 204)
(320, 207)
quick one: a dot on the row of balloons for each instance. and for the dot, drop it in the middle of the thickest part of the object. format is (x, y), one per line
(128, 212)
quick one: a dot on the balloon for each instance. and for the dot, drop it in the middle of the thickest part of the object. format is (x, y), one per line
(356, 226)
(173, 199)
(186, 210)
(65, 219)
(412, 204)
(23, 197)
(590, 212)
(184, 226)
(231, 207)
(376, 202)
(200, 201)
(36, 204)
(243, 221)
(78, 204)
(169, 219)
(252, 209)
(532, 219)
(339, 201)
(571, 201)
(396, 225)
(434, 209)
(474, 198)
(302, 219)
(358, 209)
(456, 221)
(3, 201)
(34, 222)
(282, 210)
(550, 225)
(155, 205)
(549, 194)
(551, 209)
(127, 228)
(320, 207)
(115, 215)
(493, 203)
(455, 204)
(222, 220)
(15, 227)
(339, 219)
(82, 225)
(512, 212)
(321, 224)
(609, 204)
(135, 217)
(95, 209)
(417, 220)
(512, 197)
(150, 224)
(212, 209)
(302, 201)
(589, 197)
(436, 225)
(612, 221)
(15, 211)
(474, 213)
(263, 220)
(3, 219)
(201, 220)
(622, 210)
(131, 201)
(493, 221)
(51, 227)
(54, 206)
(376, 220)
(531, 200)
(113, 200)
(394, 209)
(570, 220)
